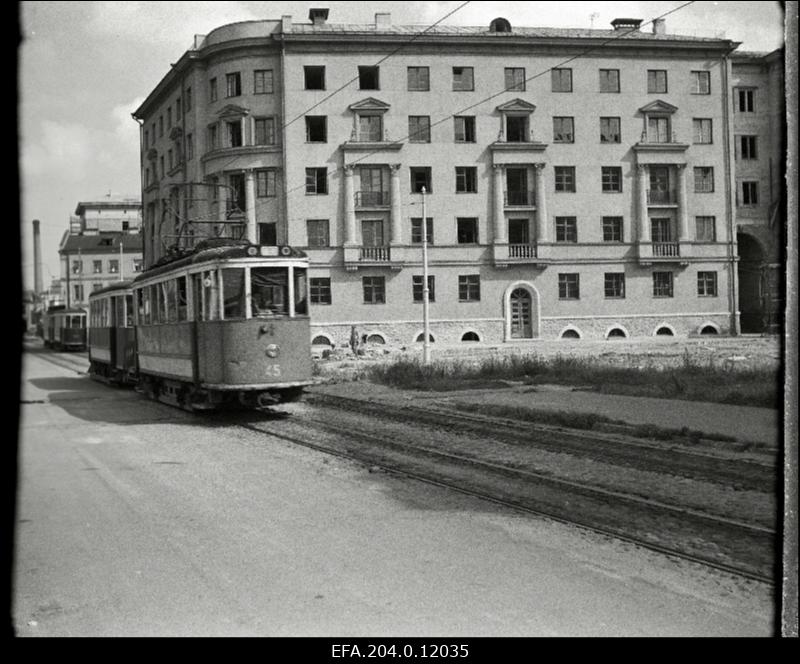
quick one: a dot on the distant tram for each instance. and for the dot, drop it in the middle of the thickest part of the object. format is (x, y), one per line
(226, 324)
(64, 328)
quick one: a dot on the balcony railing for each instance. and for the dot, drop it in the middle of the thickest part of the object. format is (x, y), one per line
(521, 198)
(379, 254)
(522, 251)
(666, 249)
(658, 197)
(653, 137)
(372, 198)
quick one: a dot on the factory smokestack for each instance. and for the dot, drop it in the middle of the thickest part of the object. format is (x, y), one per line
(37, 259)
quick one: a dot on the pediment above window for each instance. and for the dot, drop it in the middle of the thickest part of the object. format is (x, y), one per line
(232, 110)
(658, 106)
(370, 104)
(516, 106)
(176, 133)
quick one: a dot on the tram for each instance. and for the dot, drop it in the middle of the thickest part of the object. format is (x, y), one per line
(227, 324)
(64, 328)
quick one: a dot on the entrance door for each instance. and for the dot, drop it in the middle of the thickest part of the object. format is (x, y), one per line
(521, 325)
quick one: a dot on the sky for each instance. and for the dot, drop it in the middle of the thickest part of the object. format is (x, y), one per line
(84, 67)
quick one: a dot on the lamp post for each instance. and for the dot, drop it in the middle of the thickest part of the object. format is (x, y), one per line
(426, 343)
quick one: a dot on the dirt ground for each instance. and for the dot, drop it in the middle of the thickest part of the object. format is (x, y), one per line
(737, 352)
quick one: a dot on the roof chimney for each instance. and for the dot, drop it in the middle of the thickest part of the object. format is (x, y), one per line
(318, 16)
(286, 23)
(660, 26)
(626, 23)
(383, 20)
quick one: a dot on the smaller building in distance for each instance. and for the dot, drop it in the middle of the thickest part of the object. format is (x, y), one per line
(103, 244)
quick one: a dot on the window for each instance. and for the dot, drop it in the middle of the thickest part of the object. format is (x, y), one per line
(469, 288)
(703, 179)
(610, 130)
(609, 80)
(569, 286)
(463, 78)
(747, 147)
(701, 82)
(612, 179)
(419, 79)
(146, 138)
(233, 84)
(658, 129)
(264, 131)
(113, 266)
(233, 134)
(565, 178)
(657, 81)
(374, 290)
(97, 267)
(370, 128)
(169, 117)
(702, 130)
(267, 234)
(237, 200)
(212, 90)
(614, 284)
(661, 230)
(314, 77)
(265, 183)
(749, 193)
(466, 180)
(137, 264)
(662, 284)
(416, 230)
(515, 78)
(188, 100)
(416, 288)
(517, 128)
(563, 130)
(189, 146)
(561, 80)
(467, 230)
(316, 129)
(263, 83)
(421, 177)
(160, 126)
(213, 139)
(745, 100)
(77, 292)
(707, 284)
(368, 78)
(161, 164)
(419, 128)
(465, 128)
(318, 233)
(170, 159)
(372, 233)
(320, 288)
(233, 292)
(705, 228)
(566, 229)
(612, 229)
(316, 180)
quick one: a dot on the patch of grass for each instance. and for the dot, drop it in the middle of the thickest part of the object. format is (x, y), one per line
(691, 380)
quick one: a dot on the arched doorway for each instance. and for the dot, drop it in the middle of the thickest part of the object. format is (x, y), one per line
(521, 314)
(750, 269)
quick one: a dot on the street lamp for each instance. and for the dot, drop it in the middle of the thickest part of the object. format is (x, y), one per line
(426, 343)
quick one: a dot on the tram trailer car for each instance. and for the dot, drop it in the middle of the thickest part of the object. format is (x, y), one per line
(227, 324)
(64, 328)
(112, 336)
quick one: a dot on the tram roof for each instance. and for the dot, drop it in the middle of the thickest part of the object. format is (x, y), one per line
(125, 284)
(208, 251)
(61, 309)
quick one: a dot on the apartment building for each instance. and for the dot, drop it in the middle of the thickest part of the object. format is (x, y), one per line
(103, 244)
(577, 183)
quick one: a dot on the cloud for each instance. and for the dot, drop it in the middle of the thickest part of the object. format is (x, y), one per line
(63, 148)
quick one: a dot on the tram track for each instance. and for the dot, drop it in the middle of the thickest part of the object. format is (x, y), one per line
(79, 366)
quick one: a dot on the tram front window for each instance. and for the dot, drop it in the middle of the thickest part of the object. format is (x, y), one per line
(269, 287)
(233, 292)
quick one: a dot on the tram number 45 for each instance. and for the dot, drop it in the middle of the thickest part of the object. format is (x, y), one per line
(273, 370)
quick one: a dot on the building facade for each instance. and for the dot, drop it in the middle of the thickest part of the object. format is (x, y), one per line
(103, 244)
(577, 183)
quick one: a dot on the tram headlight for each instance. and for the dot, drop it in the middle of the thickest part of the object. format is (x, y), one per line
(252, 251)
(272, 350)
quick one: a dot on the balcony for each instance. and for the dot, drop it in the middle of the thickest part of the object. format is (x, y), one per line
(660, 197)
(375, 254)
(520, 199)
(666, 250)
(371, 199)
(522, 251)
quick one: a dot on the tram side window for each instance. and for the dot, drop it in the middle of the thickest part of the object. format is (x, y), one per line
(269, 289)
(156, 307)
(210, 296)
(120, 311)
(233, 292)
(300, 291)
(170, 301)
(129, 311)
(182, 299)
